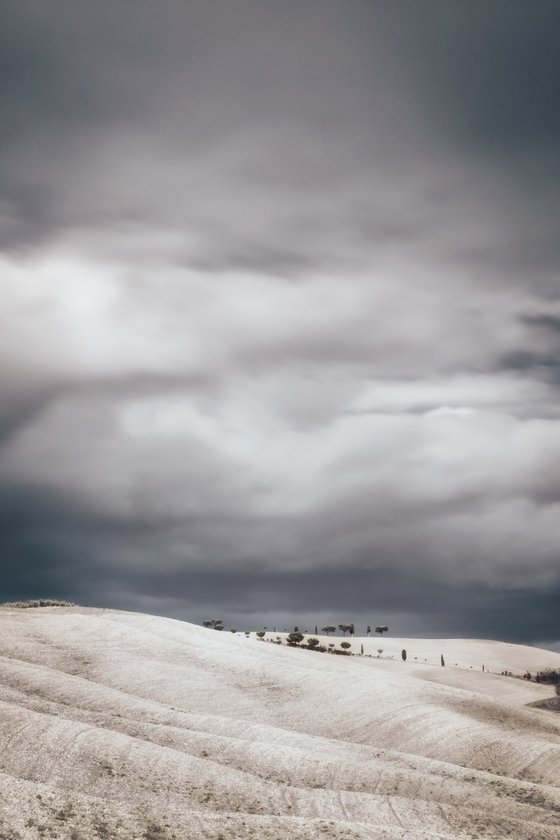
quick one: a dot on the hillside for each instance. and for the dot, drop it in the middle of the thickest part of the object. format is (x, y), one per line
(131, 726)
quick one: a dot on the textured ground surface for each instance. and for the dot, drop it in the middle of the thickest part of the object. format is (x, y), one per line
(118, 725)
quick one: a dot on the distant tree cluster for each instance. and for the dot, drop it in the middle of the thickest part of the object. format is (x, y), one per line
(297, 639)
(550, 676)
(38, 602)
(327, 629)
(214, 623)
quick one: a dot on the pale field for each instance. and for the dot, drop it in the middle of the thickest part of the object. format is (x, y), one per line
(119, 725)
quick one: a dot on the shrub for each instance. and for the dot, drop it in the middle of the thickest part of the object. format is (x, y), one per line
(403, 654)
(345, 646)
(261, 634)
(295, 638)
(312, 643)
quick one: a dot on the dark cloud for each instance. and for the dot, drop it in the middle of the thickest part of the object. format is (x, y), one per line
(20, 411)
(44, 547)
(279, 330)
(501, 64)
(544, 321)
(193, 100)
(534, 361)
(542, 360)
(72, 554)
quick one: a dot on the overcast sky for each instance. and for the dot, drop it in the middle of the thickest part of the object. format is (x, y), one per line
(280, 311)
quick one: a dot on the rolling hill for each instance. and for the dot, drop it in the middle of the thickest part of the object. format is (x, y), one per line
(121, 725)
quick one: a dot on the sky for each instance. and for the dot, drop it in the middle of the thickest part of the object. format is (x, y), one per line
(280, 311)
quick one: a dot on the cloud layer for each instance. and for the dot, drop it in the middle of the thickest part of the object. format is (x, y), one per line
(280, 325)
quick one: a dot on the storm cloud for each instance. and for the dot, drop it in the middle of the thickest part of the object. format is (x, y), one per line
(280, 303)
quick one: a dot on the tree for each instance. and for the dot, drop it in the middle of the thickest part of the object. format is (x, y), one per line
(312, 643)
(295, 638)
(403, 654)
(261, 634)
(381, 628)
(345, 628)
(368, 631)
(328, 628)
(549, 675)
(379, 652)
(351, 629)
(345, 646)
(442, 660)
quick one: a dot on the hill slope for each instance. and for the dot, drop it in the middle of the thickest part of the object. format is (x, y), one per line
(124, 725)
